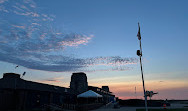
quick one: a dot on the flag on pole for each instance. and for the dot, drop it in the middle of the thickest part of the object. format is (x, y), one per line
(139, 35)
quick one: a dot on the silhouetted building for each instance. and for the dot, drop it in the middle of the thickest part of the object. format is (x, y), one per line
(107, 95)
(16, 93)
(19, 94)
(79, 82)
(106, 88)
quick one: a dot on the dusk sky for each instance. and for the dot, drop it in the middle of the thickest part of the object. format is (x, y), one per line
(51, 39)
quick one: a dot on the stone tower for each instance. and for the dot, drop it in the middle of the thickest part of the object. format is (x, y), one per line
(79, 82)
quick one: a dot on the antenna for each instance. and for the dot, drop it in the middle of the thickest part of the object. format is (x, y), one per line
(135, 92)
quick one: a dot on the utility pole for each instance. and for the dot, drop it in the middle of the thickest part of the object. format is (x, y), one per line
(135, 92)
(139, 53)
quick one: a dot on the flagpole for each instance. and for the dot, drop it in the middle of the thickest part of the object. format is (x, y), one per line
(140, 55)
(143, 78)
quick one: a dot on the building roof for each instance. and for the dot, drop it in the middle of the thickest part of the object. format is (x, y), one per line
(89, 94)
(13, 81)
(97, 88)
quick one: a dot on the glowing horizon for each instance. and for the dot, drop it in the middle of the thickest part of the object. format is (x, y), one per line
(50, 40)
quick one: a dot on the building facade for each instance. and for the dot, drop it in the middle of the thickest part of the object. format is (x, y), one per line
(79, 85)
(19, 94)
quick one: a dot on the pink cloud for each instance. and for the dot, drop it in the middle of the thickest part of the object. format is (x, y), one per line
(17, 26)
(78, 40)
(2, 1)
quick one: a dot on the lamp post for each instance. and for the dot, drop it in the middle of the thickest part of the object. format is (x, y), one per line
(139, 53)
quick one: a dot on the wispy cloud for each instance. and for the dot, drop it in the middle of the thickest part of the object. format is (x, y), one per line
(55, 79)
(35, 31)
(29, 38)
(2, 1)
(75, 40)
(17, 26)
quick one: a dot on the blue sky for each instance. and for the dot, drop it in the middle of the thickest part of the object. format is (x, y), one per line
(50, 39)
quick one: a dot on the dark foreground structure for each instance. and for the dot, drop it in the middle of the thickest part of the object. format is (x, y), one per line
(19, 94)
